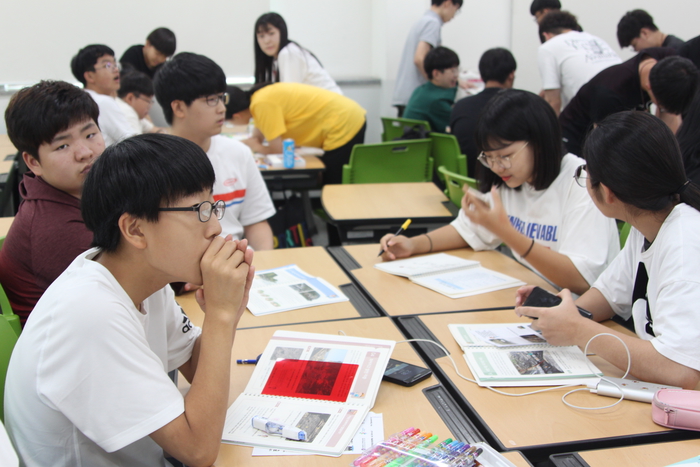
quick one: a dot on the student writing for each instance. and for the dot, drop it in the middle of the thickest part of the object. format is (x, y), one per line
(534, 207)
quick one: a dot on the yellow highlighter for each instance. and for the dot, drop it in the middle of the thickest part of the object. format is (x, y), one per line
(398, 232)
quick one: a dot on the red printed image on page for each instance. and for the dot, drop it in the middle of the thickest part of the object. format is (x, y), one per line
(328, 381)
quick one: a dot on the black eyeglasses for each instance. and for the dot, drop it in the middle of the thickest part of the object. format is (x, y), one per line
(581, 175)
(214, 99)
(204, 210)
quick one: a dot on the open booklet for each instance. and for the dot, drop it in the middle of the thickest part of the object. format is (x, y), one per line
(289, 288)
(514, 354)
(322, 384)
(449, 275)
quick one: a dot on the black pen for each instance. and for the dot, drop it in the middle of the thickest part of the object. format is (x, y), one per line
(398, 232)
(252, 361)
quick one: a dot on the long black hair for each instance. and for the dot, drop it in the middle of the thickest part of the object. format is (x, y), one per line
(263, 62)
(689, 140)
(637, 157)
(515, 115)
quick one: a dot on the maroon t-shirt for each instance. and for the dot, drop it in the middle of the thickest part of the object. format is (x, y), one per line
(46, 236)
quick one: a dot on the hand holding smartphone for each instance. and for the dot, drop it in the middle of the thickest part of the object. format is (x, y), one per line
(541, 298)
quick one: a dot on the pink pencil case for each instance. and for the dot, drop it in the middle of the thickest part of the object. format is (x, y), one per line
(676, 408)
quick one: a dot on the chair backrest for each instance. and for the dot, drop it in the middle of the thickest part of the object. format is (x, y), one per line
(454, 183)
(624, 230)
(7, 313)
(392, 162)
(8, 339)
(395, 127)
(446, 153)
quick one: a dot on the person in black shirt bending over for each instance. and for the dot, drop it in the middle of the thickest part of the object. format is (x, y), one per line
(160, 45)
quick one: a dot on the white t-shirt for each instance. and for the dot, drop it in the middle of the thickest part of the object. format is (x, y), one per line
(673, 290)
(87, 382)
(112, 121)
(561, 217)
(139, 125)
(297, 65)
(240, 184)
(569, 60)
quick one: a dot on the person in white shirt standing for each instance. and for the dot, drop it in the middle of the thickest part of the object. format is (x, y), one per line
(281, 60)
(568, 57)
(98, 70)
(532, 203)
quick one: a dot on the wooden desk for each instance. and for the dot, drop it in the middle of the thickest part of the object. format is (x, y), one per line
(540, 425)
(399, 296)
(6, 146)
(313, 260)
(5, 223)
(392, 400)
(649, 454)
(355, 207)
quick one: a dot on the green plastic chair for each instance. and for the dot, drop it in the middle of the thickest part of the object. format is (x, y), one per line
(446, 153)
(392, 162)
(454, 183)
(8, 339)
(394, 127)
(7, 313)
(624, 230)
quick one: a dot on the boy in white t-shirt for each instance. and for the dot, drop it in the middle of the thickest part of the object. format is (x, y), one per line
(87, 383)
(135, 98)
(96, 67)
(191, 89)
(568, 57)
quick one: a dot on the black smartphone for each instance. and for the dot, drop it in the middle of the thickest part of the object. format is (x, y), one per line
(541, 298)
(404, 373)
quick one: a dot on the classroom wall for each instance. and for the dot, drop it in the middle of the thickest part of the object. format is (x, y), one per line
(352, 38)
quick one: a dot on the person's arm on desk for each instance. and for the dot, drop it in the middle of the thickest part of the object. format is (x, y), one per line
(563, 325)
(259, 235)
(255, 143)
(444, 238)
(195, 436)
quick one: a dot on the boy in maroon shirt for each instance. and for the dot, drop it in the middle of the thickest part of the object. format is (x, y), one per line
(53, 124)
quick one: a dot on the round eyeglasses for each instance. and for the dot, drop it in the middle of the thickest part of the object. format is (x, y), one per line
(204, 210)
(504, 161)
(109, 66)
(581, 175)
(214, 99)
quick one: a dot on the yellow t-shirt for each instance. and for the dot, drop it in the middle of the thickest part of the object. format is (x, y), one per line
(309, 115)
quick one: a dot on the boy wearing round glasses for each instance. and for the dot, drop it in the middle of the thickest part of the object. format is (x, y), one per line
(88, 380)
(96, 67)
(135, 99)
(191, 89)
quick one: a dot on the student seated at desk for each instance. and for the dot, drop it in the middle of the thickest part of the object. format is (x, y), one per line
(433, 101)
(160, 45)
(191, 89)
(533, 204)
(88, 379)
(135, 98)
(635, 173)
(96, 67)
(53, 124)
(309, 115)
(281, 60)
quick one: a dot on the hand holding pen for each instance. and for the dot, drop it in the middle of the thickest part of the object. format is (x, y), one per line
(398, 232)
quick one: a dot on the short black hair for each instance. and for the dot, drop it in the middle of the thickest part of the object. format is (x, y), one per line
(556, 22)
(440, 2)
(496, 65)
(439, 58)
(86, 58)
(630, 26)
(515, 115)
(135, 82)
(674, 82)
(36, 114)
(165, 168)
(239, 100)
(185, 78)
(163, 39)
(538, 5)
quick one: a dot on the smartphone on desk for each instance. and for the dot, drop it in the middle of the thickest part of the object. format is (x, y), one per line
(541, 298)
(404, 373)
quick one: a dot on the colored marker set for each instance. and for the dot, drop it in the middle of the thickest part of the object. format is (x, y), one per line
(413, 448)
